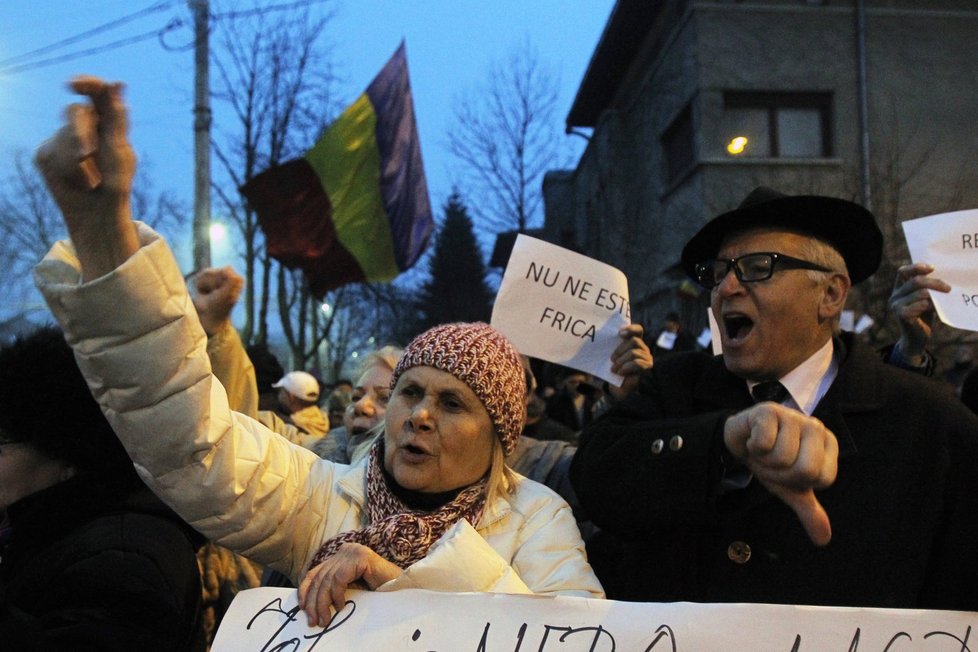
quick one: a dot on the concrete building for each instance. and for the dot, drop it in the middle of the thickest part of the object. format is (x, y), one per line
(692, 103)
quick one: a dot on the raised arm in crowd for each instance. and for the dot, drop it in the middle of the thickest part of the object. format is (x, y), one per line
(433, 505)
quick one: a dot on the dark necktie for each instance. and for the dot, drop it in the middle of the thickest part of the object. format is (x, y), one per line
(770, 390)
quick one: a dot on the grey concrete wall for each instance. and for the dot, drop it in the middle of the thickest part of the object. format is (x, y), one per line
(923, 92)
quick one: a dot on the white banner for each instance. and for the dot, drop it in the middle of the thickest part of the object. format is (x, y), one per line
(421, 621)
(949, 242)
(557, 305)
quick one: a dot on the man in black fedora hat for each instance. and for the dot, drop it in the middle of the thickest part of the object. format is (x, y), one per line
(796, 467)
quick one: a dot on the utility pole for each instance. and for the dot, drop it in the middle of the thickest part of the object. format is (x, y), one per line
(202, 138)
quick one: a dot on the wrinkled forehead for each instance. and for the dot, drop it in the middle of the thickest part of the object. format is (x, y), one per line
(436, 380)
(776, 239)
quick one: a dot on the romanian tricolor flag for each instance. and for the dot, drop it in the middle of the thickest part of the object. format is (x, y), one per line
(355, 207)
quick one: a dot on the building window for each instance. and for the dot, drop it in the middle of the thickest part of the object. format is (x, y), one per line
(777, 125)
(677, 143)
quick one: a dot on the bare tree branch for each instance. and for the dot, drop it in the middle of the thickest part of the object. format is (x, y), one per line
(505, 135)
(30, 222)
(274, 73)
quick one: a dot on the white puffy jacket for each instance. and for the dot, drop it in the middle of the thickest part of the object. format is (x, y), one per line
(140, 346)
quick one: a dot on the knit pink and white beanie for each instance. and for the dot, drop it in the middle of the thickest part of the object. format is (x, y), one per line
(482, 358)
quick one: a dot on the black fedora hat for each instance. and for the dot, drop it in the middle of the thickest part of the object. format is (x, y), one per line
(848, 227)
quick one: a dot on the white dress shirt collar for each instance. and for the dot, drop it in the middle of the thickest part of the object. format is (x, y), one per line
(808, 382)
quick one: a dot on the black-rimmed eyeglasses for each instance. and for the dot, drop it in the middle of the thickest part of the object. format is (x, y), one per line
(750, 268)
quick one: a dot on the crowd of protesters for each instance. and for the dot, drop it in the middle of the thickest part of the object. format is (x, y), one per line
(790, 469)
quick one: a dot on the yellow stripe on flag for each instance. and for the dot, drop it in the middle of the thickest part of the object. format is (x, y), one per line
(348, 163)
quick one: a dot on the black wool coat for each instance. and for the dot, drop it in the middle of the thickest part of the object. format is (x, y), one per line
(87, 567)
(904, 507)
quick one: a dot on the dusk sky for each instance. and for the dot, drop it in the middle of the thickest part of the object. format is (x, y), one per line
(450, 46)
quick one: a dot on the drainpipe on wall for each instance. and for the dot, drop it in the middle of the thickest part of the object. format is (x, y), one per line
(863, 104)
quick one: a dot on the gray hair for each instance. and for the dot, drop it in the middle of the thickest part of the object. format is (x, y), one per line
(822, 253)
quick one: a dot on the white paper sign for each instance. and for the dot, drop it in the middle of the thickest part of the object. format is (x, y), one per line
(562, 307)
(667, 340)
(847, 320)
(419, 621)
(706, 336)
(949, 242)
(864, 323)
(715, 331)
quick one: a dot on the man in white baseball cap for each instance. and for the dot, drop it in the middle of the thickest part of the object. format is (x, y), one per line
(298, 394)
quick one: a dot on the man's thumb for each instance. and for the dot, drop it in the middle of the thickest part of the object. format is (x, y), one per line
(812, 515)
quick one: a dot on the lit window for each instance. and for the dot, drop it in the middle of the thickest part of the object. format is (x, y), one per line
(776, 125)
(738, 144)
(747, 132)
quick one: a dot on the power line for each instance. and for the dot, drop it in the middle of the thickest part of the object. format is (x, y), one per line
(175, 23)
(95, 31)
(265, 10)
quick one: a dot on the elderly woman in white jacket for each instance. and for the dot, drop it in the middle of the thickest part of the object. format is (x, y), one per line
(433, 506)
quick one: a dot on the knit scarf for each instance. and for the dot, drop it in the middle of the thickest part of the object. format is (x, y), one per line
(394, 531)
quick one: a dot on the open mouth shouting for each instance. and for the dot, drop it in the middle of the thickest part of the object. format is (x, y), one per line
(413, 453)
(356, 430)
(736, 328)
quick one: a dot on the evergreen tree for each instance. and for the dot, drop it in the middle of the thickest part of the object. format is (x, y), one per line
(456, 289)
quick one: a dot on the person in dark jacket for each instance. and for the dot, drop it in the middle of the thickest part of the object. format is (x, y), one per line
(90, 559)
(796, 468)
(572, 403)
(969, 390)
(673, 338)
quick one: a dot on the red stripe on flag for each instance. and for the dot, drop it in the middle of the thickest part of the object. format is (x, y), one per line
(295, 215)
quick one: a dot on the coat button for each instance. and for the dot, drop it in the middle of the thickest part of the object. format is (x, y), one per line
(738, 552)
(675, 443)
(657, 446)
